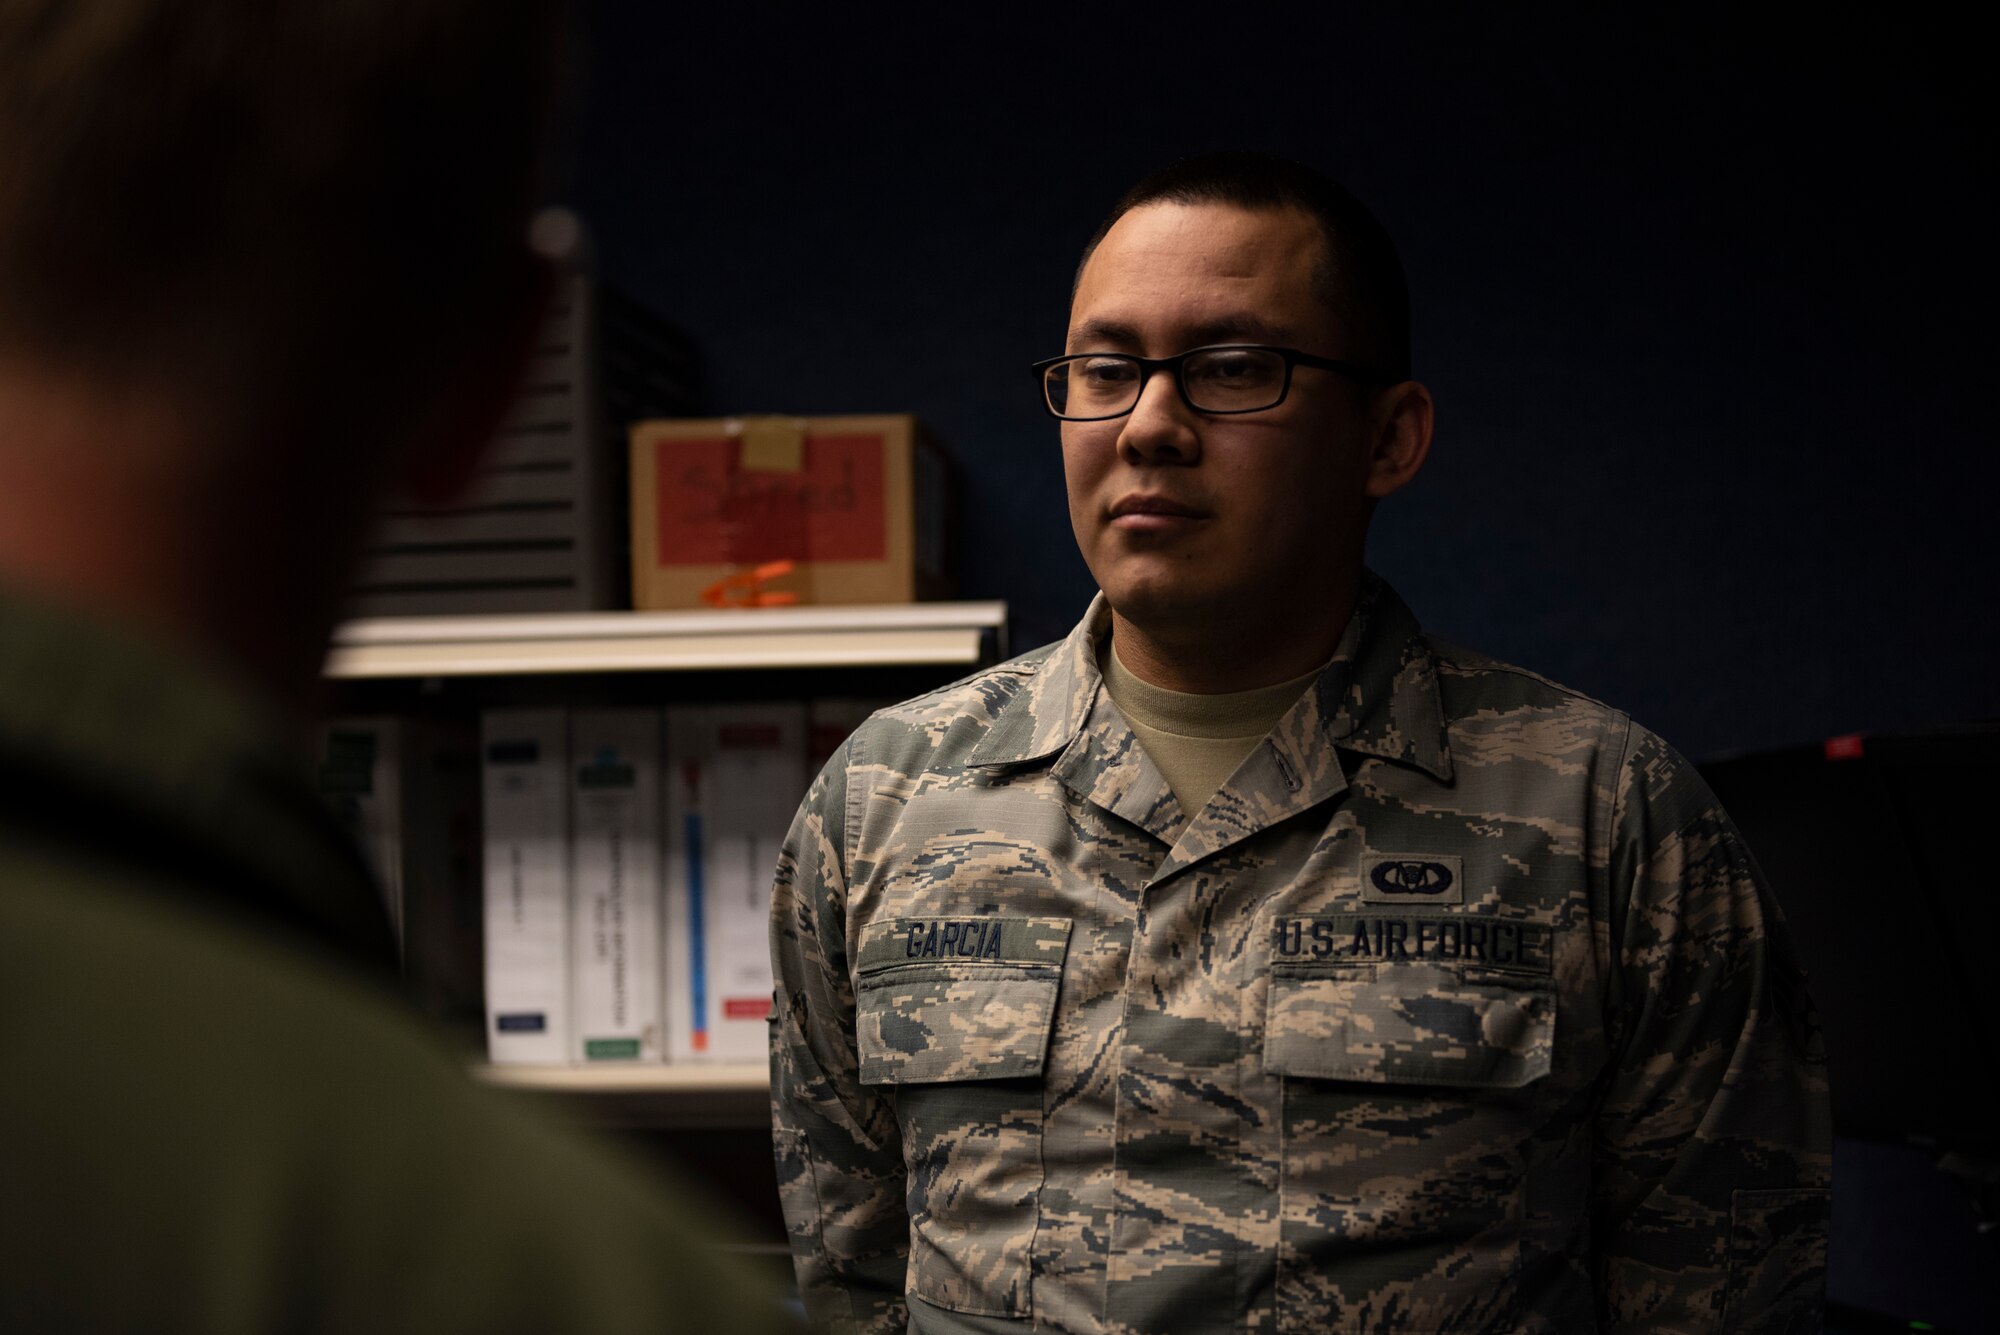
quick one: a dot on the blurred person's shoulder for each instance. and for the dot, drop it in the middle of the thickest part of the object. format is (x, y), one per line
(235, 1125)
(211, 1102)
(127, 759)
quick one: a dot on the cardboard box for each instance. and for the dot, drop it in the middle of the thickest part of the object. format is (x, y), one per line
(857, 502)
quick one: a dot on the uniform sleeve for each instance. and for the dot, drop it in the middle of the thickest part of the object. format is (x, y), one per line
(838, 1148)
(1713, 1154)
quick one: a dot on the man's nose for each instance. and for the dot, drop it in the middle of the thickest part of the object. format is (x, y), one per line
(1161, 428)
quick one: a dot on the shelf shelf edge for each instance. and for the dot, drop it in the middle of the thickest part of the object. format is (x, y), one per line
(666, 1080)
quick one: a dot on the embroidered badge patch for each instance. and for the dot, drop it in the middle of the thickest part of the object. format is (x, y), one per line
(1409, 879)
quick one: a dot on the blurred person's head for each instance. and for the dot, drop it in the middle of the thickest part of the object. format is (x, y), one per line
(257, 263)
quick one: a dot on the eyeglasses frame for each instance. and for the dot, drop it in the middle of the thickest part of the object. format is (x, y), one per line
(1148, 365)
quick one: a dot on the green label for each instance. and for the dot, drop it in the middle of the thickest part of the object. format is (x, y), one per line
(610, 1049)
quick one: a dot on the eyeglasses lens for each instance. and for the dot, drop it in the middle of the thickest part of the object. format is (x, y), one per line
(1096, 386)
(1227, 380)
(1234, 380)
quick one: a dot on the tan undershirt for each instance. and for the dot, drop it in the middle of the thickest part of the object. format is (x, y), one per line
(1197, 741)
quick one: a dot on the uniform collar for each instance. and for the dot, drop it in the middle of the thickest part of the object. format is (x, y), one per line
(1378, 696)
(1047, 714)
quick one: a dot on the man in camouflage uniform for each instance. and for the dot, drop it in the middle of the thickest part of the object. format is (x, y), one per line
(1447, 1000)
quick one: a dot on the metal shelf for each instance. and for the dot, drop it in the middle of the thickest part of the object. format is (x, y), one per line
(636, 1078)
(650, 1097)
(766, 637)
(894, 635)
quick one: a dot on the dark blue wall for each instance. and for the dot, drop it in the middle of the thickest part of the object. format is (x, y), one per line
(1705, 306)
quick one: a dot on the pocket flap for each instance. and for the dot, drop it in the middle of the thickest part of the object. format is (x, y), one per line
(945, 999)
(1410, 1023)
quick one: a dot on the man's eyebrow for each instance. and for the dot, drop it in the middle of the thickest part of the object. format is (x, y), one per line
(1243, 327)
(1108, 333)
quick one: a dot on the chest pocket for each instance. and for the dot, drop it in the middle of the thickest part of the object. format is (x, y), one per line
(954, 1015)
(1411, 1065)
(1407, 1000)
(946, 999)
(1411, 1024)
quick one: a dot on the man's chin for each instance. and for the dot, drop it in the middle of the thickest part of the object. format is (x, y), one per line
(1159, 599)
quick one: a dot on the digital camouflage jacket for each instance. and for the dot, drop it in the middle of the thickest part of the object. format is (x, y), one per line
(1461, 1007)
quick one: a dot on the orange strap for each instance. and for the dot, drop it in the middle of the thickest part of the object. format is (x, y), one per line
(746, 588)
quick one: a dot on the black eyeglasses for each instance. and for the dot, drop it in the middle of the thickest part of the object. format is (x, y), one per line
(1226, 378)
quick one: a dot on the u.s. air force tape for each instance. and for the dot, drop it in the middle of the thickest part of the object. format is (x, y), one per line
(1336, 939)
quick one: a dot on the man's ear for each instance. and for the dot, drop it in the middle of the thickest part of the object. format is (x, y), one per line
(466, 415)
(1402, 421)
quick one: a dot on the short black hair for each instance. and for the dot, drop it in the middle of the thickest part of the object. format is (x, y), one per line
(1360, 274)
